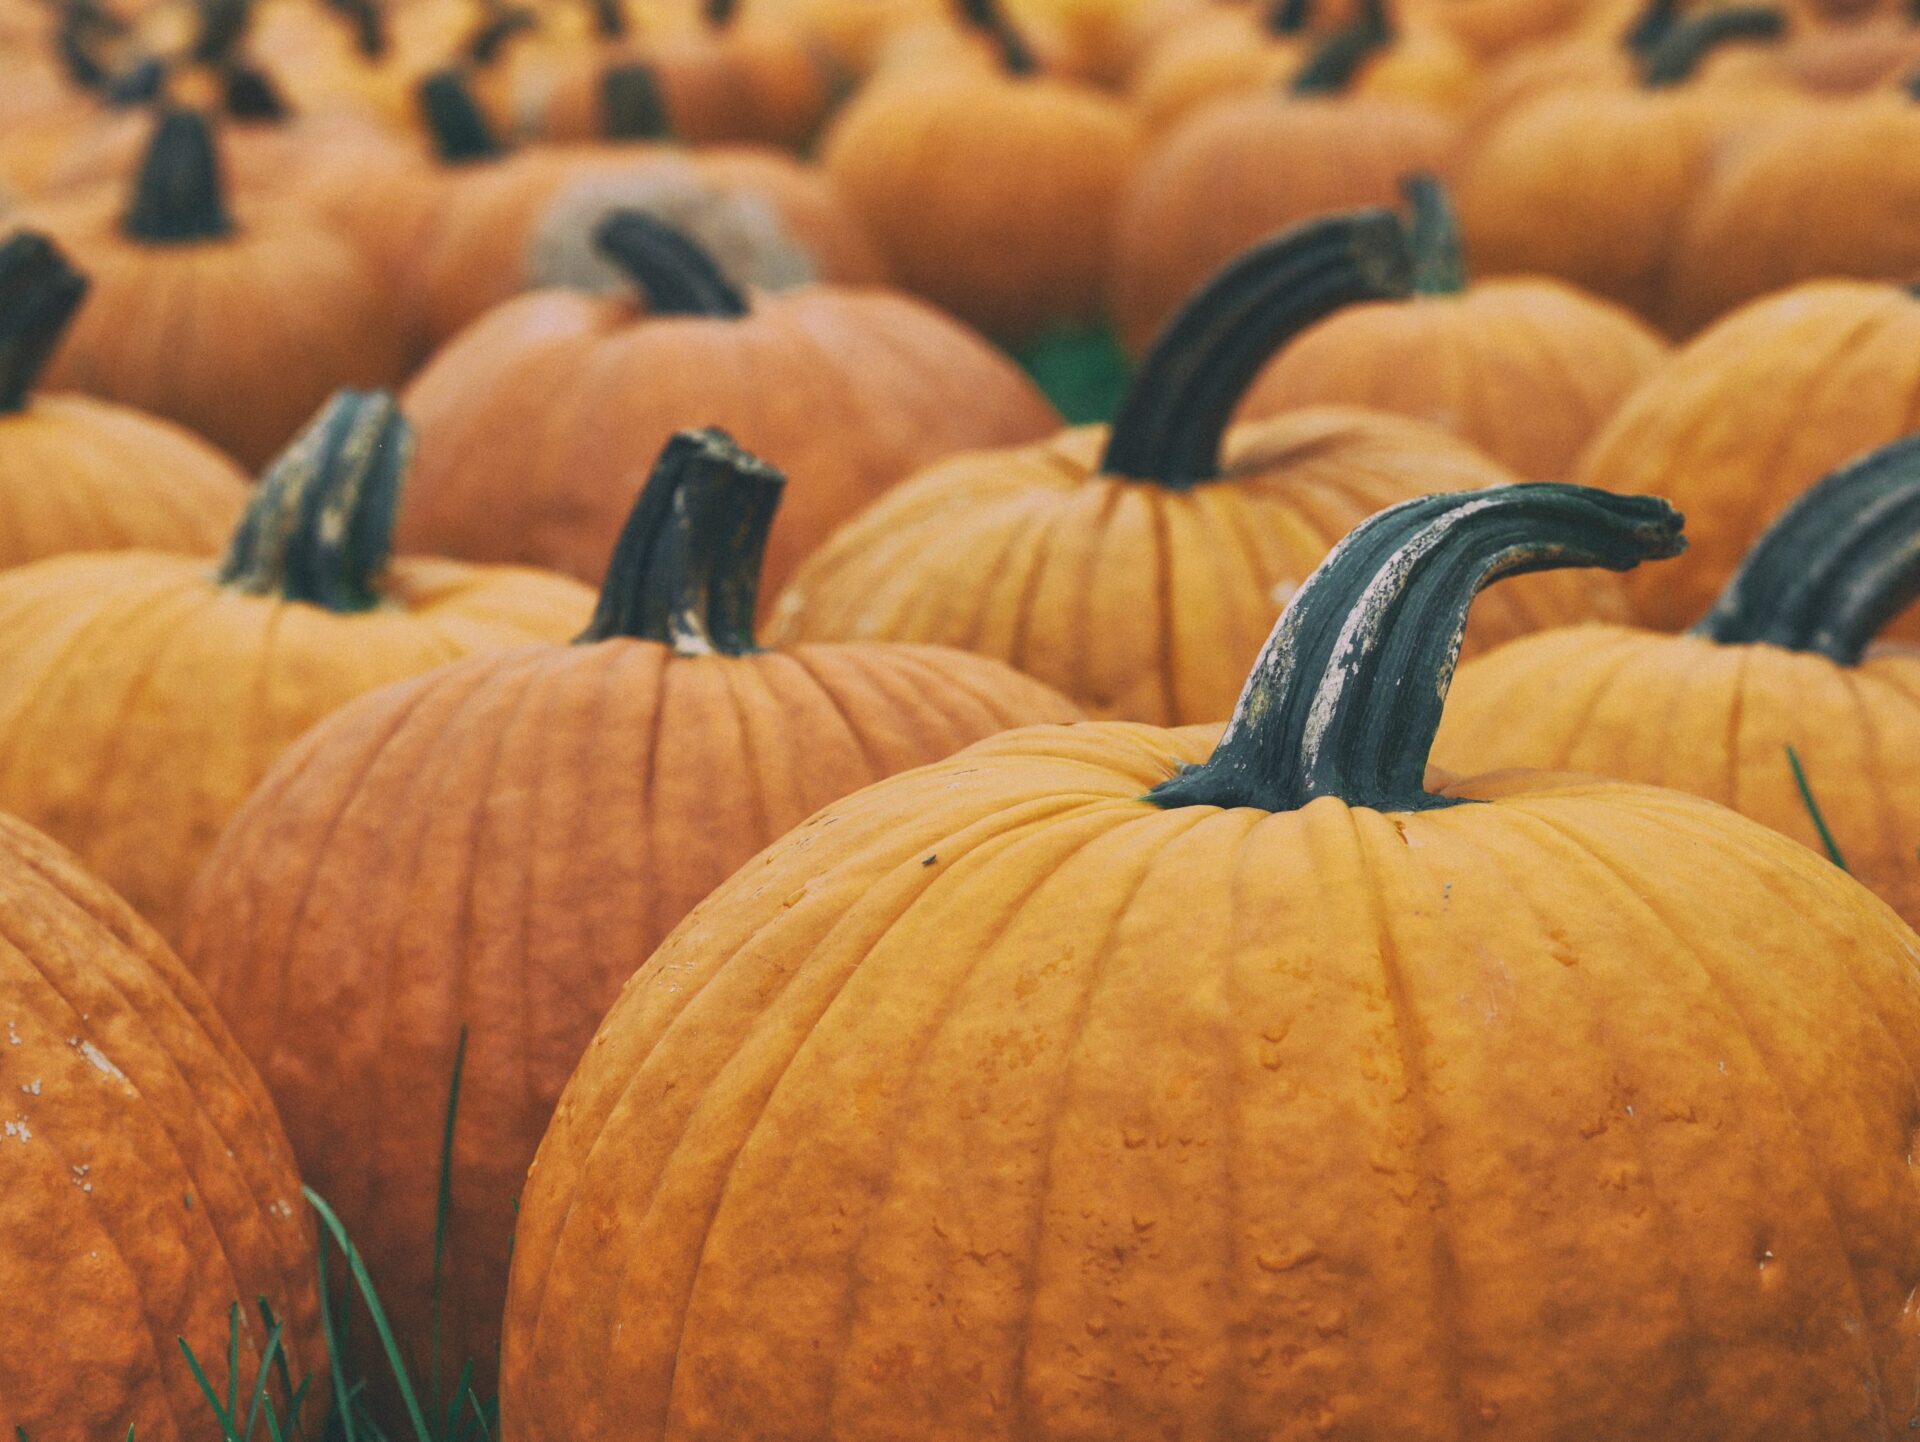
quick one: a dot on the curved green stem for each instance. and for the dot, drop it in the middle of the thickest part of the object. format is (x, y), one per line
(1171, 424)
(320, 526)
(1836, 567)
(1331, 68)
(1650, 26)
(986, 18)
(1287, 17)
(1346, 697)
(1434, 236)
(369, 25)
(1678, 54)
(453, 118)
(39, 293)
(178, 197)
(503, 24)
(686, 570)
(677, 276)
(631, 105)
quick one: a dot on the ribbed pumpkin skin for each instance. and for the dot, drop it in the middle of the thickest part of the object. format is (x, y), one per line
(538, 425)
(1138, 601)
(499, 845)
(77, 474)
(148, 1184)
(140, 702)
(999, 1099)
(1751, 414)
(1715, 720)
(1526, 370)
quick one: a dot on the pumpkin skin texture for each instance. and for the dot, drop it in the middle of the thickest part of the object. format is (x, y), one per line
(1749, 415)
(452, 785)
(78, 474)
(611, 379)
(1335, 1119)
(141, 698)
(149, 1186)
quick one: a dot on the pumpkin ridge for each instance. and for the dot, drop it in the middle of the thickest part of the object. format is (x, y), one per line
(806, 660)
(1885, 824)
(1084, 590)
(1045, 521)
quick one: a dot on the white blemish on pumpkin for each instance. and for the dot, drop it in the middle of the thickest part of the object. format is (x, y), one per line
(17, 1130)
(99, 1060)
(13, 1035)
(281, 1208)
(31, 1088)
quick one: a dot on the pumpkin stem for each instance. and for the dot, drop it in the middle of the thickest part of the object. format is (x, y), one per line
(223, 24)
(320, 526)
(178, 197)
(453, 118)
(1679, 52)
(1650, 27)
(609, 19)
(503, 23)
(989, 20)
(1837, 565)
(1174, 416)
(677, 275)
(141, 83)
(1434, 236)
(686, 570)
(719, 14)
(369, 25)
(85, 24)
(1331, 68)
(1287, 17)
(631, 106)
(250, 94)
(1346, 697)
(39, 292)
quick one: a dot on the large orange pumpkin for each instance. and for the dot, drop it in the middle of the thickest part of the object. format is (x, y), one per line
(538, 424)
(593, 794)
(77, 474)
(1772, 692)
(142, 695)
(149, 1190)
(1525, 369)
(1065, 1090)
(1752, 413)
(1137, 567)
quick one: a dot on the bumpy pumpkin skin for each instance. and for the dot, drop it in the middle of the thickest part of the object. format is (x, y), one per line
(1526, 370)
(140, 701)
(538, 425)
(1748, 416)
(1234, 1164)
(148, 1186)
(1139, 601)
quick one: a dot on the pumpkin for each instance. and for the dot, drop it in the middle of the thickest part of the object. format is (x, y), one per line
(1222, 50)
(149, 1188)
(1063, 1089)
(77, 474)
(142, 695)
(1771, 705)
(1527, 369)
(991, 192)
(409, 797)
(538, 424)
(1750, 414)
(1240, 169)
(235, 328)
(1138, 567)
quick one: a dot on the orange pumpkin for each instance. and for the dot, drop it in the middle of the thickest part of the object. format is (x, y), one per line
(428, 793)
(1525, 369)
(150, 1194)
(1089, 1086)
(612, 379)
(77, 474)
(1222, 50)
(1137, 568)
(142, 695)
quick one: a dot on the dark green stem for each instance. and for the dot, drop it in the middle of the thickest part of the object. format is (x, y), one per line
(677, 276)
(1434, 236)
(1331, 68)
(223, 23)
(1171, 424)
(453, 118)
(178, 197)
(986, 18)
(503, 24)
(686, 570)
(1836, 567)
(719, 14)
(249, 94)
(1650, 27)
(631, 105)
(1346, 697)
(39, 293)
(609, 19)
(139, 84)
(320, 526)
(1677, 55)
(369, 25)
(1287, 17)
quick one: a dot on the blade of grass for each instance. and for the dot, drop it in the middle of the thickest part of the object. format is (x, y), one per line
(443, 1208)
(357, 1269)
(1813, 809)
(336, 1344)
(224, 1417)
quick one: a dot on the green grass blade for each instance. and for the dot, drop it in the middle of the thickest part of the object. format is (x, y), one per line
(358, 1270)
(224, 1417)
(336, 1348)
(443, 1208)
(259, 1398)
(480, 1416)
(1813, 809)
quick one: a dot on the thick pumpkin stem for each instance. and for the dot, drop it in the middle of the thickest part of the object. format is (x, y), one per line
(453, 118)
(1434, 235)
(178, 197)
(1679, 52)
(686, 570)
(249, 94)
(719, 14)
(1650, 26)
(1287, 17)
(139, 84)
(1174, 417)
(989, 20)
(39, 293)
(609, 19)
(320, 527)
(631, 105)
(1837, 566)
(369, 25)
(1346, 697)
(677, 276)
(223, 24)
(1331, 68)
